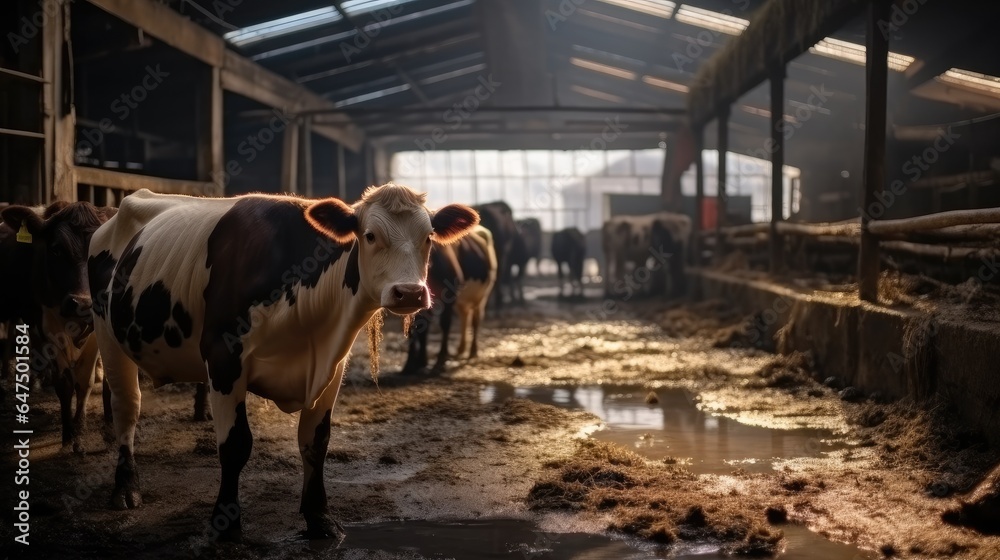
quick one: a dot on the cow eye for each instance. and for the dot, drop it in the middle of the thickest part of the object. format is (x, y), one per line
(370, 237)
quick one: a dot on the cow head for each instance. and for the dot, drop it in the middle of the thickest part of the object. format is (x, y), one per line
(395, 232)
(59, 239)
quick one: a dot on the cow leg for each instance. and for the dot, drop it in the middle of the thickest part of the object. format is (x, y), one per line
(463, 326)
(440, 365)
(232, 433)
(477, 315)
(201, 411)
(64, 390)
(416, 354)
(106, 399)
(84, 372)
(314, 437)
(122, 377)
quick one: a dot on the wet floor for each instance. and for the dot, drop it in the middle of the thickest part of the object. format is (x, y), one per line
(674, 428)
(522, 539)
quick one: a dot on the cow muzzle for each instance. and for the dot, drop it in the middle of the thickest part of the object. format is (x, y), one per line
(404, 299)
(76, 307)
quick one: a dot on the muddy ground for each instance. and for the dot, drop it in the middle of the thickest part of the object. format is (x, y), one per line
(431, 448)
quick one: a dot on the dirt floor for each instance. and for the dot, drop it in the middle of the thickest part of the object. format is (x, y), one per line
(432, 448)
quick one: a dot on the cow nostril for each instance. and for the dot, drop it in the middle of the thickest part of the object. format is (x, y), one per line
(397, 293)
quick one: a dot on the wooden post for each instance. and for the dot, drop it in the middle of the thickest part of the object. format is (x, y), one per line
(209, 128)
(876, 83)
(777, 149)
(290, 158)
(60, 116)
(722, 197)
(699, 195)
(341, 173)
(305, 158)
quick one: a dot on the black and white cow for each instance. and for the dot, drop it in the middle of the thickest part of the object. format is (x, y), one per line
(654, 244)
(44, 254)
(254, 293)
(570, 246)
(499, 219)
(461, 277)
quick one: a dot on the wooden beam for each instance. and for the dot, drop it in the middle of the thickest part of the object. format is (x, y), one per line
(933, 221)
(59, 116)
(876, 87)
(290, 158)
(722, 196)
(699, 195)
(777, 149)
(305, 159)
(133, 182)
(165, 24)
(209, 127)
(341, 174)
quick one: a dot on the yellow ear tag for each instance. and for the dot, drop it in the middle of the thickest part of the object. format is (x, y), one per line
(23, 236)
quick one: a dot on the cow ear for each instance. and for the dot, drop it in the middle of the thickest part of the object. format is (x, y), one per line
(334, 218)
(452, 222)
(14, 216)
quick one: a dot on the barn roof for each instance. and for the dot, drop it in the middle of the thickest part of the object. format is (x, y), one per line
(555, 73)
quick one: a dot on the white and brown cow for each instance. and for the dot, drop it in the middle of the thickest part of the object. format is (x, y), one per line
(654, 244)
(254, 293)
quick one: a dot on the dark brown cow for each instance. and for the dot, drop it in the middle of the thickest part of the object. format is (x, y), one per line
(499, 219)
(527, 245)
(570, 246)
(47, 286)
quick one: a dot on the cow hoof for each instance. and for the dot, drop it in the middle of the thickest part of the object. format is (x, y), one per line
(323, 527)
(231, 535)
(126, 498)
(78, 448)
(202, 416)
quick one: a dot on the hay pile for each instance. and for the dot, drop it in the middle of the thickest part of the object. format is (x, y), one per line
(661, 502)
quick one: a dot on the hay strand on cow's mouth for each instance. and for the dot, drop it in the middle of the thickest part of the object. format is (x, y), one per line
(374, 341)
(407, 323)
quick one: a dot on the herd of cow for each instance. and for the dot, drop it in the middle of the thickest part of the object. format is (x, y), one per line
(263, 293)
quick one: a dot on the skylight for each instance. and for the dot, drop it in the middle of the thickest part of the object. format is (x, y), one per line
(603, 68)
(658, 8)
(708, 19)
(982, 83)
(852, 52)
(303, 21)
(597, 94)
(661, 83)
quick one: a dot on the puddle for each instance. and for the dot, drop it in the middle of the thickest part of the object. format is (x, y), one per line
(523, 539)
(675, 428)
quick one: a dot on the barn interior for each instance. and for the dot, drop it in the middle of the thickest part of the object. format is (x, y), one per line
(829, 338)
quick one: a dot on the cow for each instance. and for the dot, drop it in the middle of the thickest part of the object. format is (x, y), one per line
(461, 277)
(499, 219)
(260, 293)
(527, 245)
(45, 285)
(570, 246)
(662, 236)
